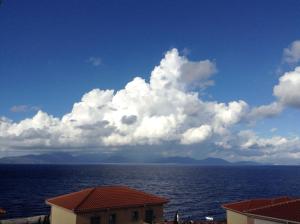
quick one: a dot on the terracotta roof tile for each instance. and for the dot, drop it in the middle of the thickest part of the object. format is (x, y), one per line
(100, 198)
(244, 206)
(199, 222)
(289, 210)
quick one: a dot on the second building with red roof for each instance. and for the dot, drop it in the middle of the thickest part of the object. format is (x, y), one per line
(264, 211)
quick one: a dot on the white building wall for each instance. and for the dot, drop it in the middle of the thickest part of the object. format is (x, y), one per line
(260, 221)
(62, 216)
(236, 218)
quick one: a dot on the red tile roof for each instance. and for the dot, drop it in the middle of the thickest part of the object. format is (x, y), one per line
(244, 206)
(101, 198)
(289, 211)
(199, 222)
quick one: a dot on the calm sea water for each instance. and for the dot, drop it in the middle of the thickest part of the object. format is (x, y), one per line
(196, 191)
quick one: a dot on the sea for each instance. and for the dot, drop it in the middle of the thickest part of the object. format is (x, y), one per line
(195, 191)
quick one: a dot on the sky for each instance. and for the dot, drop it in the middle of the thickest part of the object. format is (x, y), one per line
(175, 78)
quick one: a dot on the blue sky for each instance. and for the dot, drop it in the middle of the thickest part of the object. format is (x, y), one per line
(53, 52)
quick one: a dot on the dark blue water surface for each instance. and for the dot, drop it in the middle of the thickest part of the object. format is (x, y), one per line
(195, 190)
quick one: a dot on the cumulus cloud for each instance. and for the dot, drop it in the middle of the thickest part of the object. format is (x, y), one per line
(287, 94)
(196, 135)
(249, 140)
(291, 54)
(198, 73)
(178, 72)
(287, 90)
(166, 109)
(275, 149)
(129, 119)
(247, 145)
(163, 109)
(265, 111)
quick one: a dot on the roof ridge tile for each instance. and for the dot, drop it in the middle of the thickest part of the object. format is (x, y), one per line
(85, 198)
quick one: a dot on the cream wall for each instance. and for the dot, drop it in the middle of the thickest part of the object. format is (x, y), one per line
(123, 215)
(260, 221)
(62, 216)
(236, 218)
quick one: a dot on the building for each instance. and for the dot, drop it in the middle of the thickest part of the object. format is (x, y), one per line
(2, 212)
(264, 211)
(107, 205)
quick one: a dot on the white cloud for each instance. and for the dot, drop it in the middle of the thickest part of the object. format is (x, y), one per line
(273, 129)
(291, 54)
(163, 110)
(95, 61)
(288, 89)
(230, 114)
(142, 113)
(131, 119)
(251, 140)
(178, 72)
(23, 108)
(275, 149)
(198, 73)
(196, 135)
(269, 110)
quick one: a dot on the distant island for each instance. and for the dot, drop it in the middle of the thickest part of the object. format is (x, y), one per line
(99, 158)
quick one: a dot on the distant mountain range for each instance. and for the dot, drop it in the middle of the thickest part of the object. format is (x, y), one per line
(95, 158)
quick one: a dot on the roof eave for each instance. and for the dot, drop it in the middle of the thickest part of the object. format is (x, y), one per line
(270, 218)
(67, 209)
(78, 211)
(233, 210)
